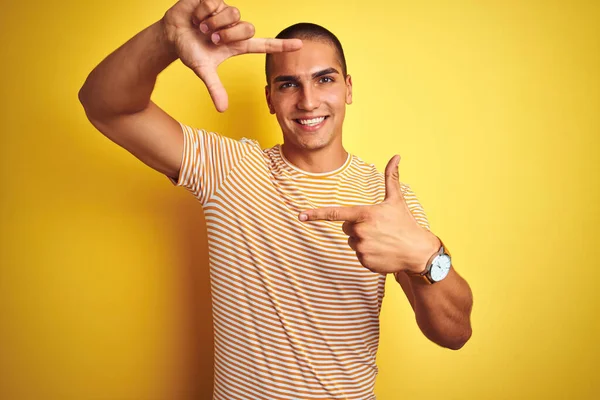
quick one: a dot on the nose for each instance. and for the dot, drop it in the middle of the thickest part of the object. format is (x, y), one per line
(309, 99)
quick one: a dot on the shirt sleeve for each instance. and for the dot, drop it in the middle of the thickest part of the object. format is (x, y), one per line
(415, 206)
(418, 213)
(207, 160)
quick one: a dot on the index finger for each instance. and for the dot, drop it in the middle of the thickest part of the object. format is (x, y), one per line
(260, 45)
(351, 214)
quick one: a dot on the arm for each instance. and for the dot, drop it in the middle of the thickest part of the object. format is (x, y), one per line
(116, 99)
(388, 239)
(116, 94)
(442, 309)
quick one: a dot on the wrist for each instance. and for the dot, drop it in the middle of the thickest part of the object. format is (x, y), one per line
(167, 50)
(423, 254)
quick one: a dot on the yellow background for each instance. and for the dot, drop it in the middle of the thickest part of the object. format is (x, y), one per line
(494, 107)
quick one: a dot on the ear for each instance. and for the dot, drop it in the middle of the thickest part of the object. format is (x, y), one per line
(268, 96)
(348, 89)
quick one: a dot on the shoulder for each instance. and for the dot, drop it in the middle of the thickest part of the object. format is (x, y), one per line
(361, 168)
(368, 174)
(253, 143)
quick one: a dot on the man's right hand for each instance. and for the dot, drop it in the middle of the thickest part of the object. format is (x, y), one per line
(204, 33)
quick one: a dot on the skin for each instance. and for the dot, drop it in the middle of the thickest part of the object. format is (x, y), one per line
(309, 83)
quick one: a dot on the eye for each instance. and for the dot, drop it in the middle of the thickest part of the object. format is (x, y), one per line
(287, 85)
(326, 79)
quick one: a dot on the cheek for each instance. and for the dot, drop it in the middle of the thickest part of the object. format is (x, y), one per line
(281, 104)
(336, 99)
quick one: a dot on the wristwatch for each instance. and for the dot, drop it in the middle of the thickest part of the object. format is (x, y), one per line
(438, 266)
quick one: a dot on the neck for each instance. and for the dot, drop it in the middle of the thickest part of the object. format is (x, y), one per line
(317, 161)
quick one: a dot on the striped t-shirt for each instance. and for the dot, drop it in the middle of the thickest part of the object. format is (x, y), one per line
(296, 316)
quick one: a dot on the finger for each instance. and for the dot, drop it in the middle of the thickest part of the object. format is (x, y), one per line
(237, 33)
(215, 88)
(208, 8)
(392, 179)
(352, 242)
(349, 228)
(259, 45)
(228, 17)
(352, 214)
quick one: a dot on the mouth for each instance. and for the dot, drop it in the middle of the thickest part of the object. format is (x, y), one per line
(311, 124)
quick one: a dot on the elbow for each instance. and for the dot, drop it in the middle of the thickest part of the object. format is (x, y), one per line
(449, 337)
(90, 99)
(458, 341)
(82, 95)
(84, 99)
(452, 336)
(91, 105)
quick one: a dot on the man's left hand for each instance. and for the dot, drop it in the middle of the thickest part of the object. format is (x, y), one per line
(386, 237)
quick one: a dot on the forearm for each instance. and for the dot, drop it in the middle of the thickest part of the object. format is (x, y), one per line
(123, 82)
(443, 309)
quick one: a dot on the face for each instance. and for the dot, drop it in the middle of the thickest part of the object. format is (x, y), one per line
(308, 94)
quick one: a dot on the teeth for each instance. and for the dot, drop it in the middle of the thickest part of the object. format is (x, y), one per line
(311, 122)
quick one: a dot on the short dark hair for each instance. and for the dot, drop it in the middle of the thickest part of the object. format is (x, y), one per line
(309, 31)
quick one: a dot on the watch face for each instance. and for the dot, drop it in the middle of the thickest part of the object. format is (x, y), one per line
(440, 267)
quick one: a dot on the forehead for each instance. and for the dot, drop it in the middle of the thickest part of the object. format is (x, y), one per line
(314, 56)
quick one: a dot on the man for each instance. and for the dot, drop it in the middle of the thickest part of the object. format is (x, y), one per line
(301, 235)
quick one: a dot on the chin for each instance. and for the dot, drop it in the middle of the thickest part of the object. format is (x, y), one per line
(313, 143)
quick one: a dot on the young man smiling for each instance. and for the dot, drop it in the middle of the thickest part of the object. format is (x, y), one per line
(308, 91)
(301, 235)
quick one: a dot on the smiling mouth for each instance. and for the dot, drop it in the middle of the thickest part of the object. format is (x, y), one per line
(311, 122)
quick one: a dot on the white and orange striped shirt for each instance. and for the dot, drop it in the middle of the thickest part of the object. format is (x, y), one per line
(296, 316)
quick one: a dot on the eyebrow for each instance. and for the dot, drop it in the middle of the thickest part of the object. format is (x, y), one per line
(296, 78)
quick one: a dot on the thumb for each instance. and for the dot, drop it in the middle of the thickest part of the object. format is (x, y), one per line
(392, 179)
(215, 87)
